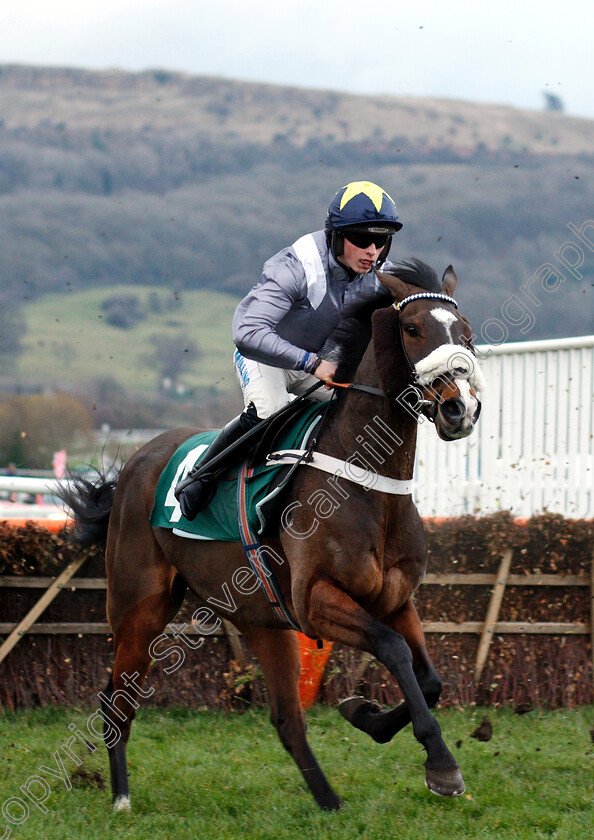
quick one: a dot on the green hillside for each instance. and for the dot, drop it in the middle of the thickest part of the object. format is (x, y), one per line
(68, 340)
(146, 185)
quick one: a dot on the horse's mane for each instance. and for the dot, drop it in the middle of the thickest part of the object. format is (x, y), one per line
(415, 272)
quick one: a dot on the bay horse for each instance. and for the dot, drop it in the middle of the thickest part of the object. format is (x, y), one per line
(346, 577)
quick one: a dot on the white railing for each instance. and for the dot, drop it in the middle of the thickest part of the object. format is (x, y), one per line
(28, 497)
(27, 484)
(532, 450)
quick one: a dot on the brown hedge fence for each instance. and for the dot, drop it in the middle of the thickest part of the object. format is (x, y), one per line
(517, 596)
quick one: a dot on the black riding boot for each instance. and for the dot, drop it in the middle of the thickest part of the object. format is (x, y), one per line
(198, 488)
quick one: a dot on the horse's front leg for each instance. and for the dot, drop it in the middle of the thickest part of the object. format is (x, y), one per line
(333, 615)
(367, 715)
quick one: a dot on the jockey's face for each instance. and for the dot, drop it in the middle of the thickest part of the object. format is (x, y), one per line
(360, 260)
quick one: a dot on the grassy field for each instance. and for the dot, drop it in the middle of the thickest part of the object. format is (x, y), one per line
(68, 339)
(211, 775)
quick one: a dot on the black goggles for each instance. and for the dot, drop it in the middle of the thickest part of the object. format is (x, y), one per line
(364, 240)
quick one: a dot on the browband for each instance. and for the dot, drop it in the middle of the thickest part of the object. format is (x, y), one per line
(423, 295)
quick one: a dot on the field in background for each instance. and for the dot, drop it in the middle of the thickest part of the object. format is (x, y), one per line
(207, 774)
(159, 178)
(68, 339)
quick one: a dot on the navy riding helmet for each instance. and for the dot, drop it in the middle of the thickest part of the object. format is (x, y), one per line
(359, 208)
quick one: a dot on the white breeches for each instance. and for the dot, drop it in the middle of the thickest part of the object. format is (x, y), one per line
(270, 388)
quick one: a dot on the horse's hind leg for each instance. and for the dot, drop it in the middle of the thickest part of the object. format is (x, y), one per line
(278, 654)
(368, 716)
(141, 625)
(116, 749)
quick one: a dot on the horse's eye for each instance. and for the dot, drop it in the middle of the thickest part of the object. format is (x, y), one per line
(410, 329)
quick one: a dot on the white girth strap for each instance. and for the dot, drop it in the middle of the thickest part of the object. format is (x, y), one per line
(345, 469)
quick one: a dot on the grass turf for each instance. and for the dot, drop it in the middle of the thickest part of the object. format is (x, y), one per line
(207, 774)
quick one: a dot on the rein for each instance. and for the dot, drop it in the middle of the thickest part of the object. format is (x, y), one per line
(353, 386)
(377, 392)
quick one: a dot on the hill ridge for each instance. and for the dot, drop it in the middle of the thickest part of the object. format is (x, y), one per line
(259, 112)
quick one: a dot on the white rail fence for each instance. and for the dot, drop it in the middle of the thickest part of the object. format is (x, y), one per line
(24, 497)
(532, 450)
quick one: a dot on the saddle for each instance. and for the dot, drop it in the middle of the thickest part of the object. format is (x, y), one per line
(265, 485)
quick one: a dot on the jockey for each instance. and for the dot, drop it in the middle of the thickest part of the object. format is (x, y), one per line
(290, 327)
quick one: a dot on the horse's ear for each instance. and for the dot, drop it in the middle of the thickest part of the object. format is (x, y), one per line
(397, 287)
(448, 281)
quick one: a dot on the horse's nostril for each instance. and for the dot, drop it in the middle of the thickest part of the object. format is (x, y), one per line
(453, 410)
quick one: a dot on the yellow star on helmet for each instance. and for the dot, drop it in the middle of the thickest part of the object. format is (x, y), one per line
(372, 191)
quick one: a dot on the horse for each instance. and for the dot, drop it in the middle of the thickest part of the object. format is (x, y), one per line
(347, 571)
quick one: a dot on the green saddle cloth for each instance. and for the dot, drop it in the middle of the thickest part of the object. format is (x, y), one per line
(219, 520)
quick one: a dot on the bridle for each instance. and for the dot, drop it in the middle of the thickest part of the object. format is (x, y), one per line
(423, 295)
(419, 296)
(423, 404)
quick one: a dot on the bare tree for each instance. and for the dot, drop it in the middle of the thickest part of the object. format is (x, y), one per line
(172, 355)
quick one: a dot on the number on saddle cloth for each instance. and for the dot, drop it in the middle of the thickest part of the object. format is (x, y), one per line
(218, 520)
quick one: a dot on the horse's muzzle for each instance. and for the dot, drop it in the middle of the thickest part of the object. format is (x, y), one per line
(456, 417)
(453, 411)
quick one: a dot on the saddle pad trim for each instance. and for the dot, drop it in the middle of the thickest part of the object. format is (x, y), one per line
(367, 478)
(179, 533)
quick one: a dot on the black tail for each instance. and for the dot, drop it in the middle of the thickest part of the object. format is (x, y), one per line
(90, 505)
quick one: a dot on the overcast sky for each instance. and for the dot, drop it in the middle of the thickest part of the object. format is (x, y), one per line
(507, 52)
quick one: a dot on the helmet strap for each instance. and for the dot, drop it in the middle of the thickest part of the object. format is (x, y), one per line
(384, 254)
(337, 243)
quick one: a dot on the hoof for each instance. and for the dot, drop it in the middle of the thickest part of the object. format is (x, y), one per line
(357, 709)
(368, 717)
(331, 804)
(121, 803)
(447, 783)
